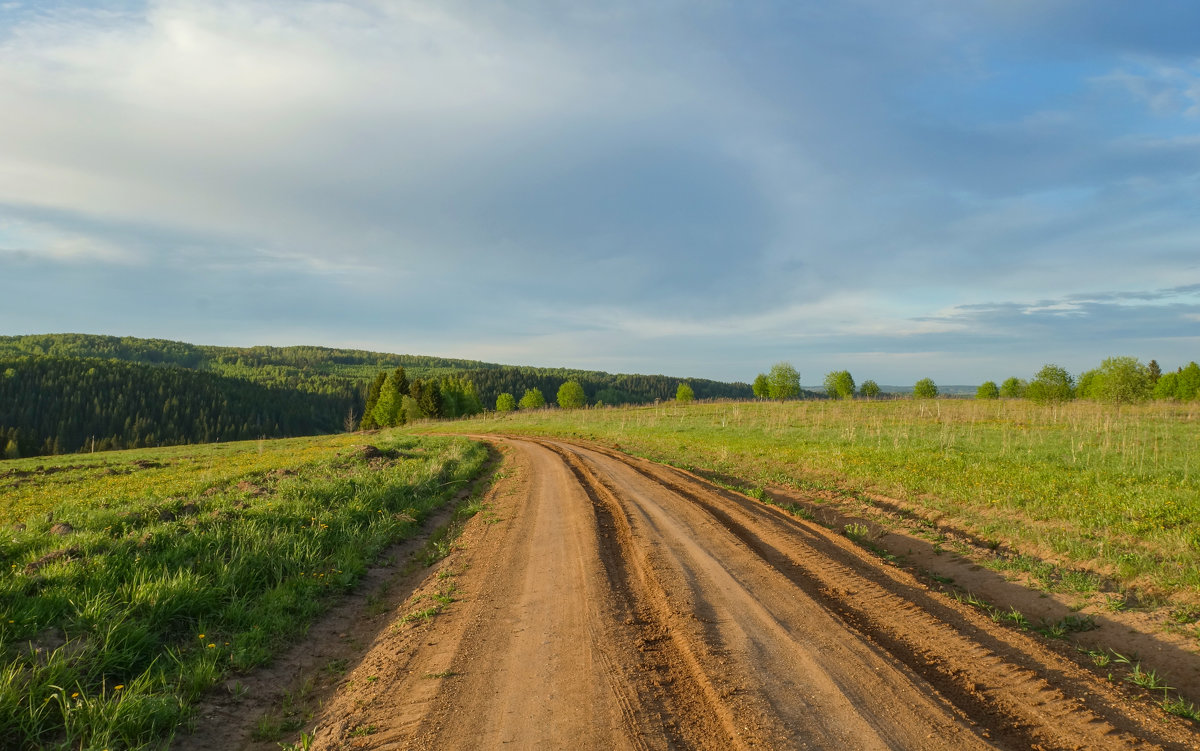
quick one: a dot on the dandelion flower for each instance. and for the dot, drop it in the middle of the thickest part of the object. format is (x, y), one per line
(118, 687)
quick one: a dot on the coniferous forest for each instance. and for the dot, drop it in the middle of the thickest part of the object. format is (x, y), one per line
(51, 405)
(63, 393)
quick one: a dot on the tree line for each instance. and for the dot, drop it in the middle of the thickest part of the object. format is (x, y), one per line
(392, 399)
(53, 405)
(782, 381)
(327, 370)
(599, 388)
(1119, 380)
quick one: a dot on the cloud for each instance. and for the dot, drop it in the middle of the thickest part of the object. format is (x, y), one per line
(606, 183)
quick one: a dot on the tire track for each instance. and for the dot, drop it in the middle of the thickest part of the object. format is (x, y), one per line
(1017, 690)
(619, 603)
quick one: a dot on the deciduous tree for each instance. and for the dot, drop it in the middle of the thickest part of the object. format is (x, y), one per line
(1013, 388)
(869, 389)
(839, 384)
(987, 390)
(505, 402)
(1052, 384)
(784, 381)
(532, 399)
(571, 395)
(925, 389)
(684, 393)
(762, 386)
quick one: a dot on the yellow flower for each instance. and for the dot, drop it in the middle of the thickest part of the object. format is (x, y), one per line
(201, 636)
(210, 646)
(118, 687)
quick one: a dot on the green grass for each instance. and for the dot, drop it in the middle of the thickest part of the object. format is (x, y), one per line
(1110, 493)
(180, 566)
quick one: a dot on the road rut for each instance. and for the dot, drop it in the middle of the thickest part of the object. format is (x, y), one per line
(604, 601)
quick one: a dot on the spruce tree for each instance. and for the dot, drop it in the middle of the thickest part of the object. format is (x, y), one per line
(368, 420)
(388, 410)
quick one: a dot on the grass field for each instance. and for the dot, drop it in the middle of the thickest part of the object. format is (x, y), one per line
(1111, 493)
(131, 582)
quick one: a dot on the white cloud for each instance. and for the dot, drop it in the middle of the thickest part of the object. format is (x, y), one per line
(49, 242)
(1163, 89)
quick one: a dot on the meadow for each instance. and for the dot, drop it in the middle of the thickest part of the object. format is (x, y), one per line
(132, 582)
(1107, 495)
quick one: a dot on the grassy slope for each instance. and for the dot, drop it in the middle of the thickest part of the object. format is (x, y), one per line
(183, 564)
(1112, 491)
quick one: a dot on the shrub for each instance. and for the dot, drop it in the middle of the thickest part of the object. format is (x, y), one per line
(839, 384)
(784, 381)
(1052, 384)
(684, 393)
(925, 389)
(532, 399)
(571, 396)
(762, 386)
(987, 390)
(1121, 380)
(505, 402)
(1013, 388)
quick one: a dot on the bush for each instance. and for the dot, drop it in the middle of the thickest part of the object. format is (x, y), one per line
(684, 393)
(1013, 388)
(505, 402)
(762, 386)
(1051, 385)
(1121, 380)
(571, 396)
(987, 390)
(839, 384)
(1183, 384)
(532, 399)
(784, 381)
(925, 389)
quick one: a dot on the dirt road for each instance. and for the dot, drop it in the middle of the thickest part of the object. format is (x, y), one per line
(605, 602)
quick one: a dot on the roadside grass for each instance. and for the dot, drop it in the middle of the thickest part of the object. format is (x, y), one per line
(132, 582)
(1088, 497)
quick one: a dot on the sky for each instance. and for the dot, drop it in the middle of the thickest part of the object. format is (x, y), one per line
(957, 189)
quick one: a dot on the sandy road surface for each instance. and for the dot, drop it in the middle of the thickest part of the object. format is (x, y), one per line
(606, 602)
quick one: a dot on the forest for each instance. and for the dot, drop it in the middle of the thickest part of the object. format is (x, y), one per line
(54, 405)
(599, 387)
(63, 393)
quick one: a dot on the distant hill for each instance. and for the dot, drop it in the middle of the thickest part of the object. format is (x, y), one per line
(951, 390)
(59, 392)
(302, 367)
(325, 369)
(54, 405)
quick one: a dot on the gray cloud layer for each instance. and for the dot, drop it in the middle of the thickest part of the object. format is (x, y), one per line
(911, 188)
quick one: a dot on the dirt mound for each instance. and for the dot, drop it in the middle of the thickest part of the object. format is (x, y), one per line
(66, 554)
